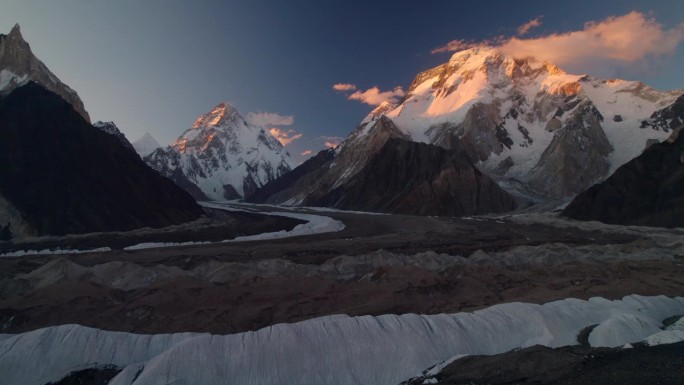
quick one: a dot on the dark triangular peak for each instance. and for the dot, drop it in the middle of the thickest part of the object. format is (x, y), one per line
(417, 178)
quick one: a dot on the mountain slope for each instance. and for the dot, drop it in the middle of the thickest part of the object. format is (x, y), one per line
(64, 176)
(416, 178)
(648, 190)
(528, 121)
(223, 156)
(541, 133)
(111, 129)
(19, 65)
(330, 169)
(304, 175)
(377, 169)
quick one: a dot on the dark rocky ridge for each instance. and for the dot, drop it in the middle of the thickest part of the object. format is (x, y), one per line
(305, 174)
(416, 178)
(65, 176)
(575, 158)
(648, 190)
(379, 169)
(111, 129)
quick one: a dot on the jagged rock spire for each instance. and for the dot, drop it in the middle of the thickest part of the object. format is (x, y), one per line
(20, 65)
(16, 31)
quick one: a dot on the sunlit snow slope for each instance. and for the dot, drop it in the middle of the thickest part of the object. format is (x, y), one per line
(527, 120)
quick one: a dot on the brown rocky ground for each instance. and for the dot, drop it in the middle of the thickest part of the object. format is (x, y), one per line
(183, 304)
(227, 288)
(576, 365)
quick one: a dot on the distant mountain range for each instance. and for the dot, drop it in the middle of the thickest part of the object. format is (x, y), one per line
(540, 133)
(484, 132)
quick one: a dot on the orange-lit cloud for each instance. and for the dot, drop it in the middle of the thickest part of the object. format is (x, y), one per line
(525, 28)
(306, 153)
(632, 42)
(344, 87)
(455, 45)
(331, 141)
(285, 137)
(628, 38)
(373, 96)
(264, 119)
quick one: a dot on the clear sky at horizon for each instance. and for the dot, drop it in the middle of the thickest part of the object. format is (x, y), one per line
(155, 66)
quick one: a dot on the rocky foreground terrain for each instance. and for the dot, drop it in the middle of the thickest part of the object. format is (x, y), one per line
(410, 264)
(381, 269)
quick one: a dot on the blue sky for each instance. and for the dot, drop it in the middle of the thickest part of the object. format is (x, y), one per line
(155, 66)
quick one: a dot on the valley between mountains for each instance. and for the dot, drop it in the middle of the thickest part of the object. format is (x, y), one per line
(500, 221)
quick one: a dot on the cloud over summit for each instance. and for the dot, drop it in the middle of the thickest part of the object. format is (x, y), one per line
(632, 42)
(372, 96)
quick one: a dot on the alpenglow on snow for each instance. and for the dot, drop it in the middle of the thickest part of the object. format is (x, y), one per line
(540, 133)
(526, 122)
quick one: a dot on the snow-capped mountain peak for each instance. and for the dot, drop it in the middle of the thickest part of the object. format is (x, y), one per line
(219, 116)
(508, 111)
(223, 155)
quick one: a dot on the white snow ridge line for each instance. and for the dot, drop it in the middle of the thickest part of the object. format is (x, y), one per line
(22, 253)
(382, 350)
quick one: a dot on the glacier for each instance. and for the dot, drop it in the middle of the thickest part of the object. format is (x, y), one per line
(336, 349)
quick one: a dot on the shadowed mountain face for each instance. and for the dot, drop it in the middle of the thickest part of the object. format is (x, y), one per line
(306, 174)
(61, 175)
(402, 177)
(416, 178)
(649, 190)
